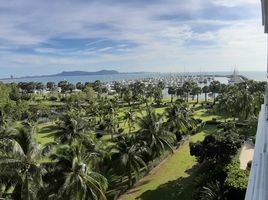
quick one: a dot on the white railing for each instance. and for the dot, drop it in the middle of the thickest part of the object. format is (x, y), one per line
(257, 188)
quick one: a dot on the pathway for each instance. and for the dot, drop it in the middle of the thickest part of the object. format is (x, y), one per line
(246, 154)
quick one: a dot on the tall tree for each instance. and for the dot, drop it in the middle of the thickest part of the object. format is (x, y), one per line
(129, 117)
(171, 92)
(214, 87)
(71, 127)
(131, 156)
(205, 90)
(20, 163)
(154, 133)
(76, 178)
(179, 120)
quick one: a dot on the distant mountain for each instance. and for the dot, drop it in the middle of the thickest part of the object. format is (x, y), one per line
(84, 73)
(77, 73)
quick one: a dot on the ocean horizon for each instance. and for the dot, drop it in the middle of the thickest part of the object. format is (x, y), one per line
(253, 75)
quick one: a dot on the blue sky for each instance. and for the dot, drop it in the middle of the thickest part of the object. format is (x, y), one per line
(46, 37)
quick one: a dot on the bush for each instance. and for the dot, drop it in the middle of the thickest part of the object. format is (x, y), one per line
(53, 98)
(26, 97)
(236, 181)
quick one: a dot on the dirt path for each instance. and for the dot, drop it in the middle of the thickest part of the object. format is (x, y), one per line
(246, 154)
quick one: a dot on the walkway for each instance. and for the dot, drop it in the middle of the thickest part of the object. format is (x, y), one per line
(246, 155)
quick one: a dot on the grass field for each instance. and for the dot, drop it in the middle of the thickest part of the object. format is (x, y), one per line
(172, 179)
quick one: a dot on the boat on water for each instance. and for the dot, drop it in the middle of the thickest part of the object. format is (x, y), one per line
(235, 78)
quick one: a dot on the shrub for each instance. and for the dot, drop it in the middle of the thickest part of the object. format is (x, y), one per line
(236, 181)
(53, 98)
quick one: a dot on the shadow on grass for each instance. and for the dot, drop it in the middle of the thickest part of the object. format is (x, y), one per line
(48, 129)
(173, 189)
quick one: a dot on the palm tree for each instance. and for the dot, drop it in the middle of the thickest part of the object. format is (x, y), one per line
(213, 191)
(196, 91)
(127, 95)
(214, 87)
(179, 120)
(187, 87)
(171, 92)
(245, 102)
(111, 118)
(158, 95)
(154, 133)
(20, 156)
(180, 92)
(71, 127)
(150, 91)
(131, 154)
(76, 178)
(205, 90)
(129, 118)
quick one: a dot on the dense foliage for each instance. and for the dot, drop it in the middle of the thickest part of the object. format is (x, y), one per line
(66, 141)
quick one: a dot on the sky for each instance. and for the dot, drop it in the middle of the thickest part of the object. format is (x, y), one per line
(40, 37)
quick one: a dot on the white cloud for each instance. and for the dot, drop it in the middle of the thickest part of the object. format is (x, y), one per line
(159, 41)
(232, 3)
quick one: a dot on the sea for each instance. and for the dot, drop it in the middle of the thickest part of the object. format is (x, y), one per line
(254, 75)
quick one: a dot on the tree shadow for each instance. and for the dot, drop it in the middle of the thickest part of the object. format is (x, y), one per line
(48, 129)
(172, 189)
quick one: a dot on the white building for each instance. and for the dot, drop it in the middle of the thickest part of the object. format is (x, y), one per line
(257, 188)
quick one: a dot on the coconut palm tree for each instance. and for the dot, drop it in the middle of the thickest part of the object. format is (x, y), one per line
(71, 127)
(76, 179)
(214, 87)
(131, 156)
(187, 87)
(180, 92)
(205, 90)
(129, 117)
(171, 92)
(179, 120)
(158, 94)
(127, 95)
(246, 104)
(196, 91)
(19, 160)
(154, 133)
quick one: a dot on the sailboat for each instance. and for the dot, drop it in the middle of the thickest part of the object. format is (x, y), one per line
(235, 78)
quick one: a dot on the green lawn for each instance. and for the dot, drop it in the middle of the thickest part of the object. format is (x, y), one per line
(45, 133)
(173, 179)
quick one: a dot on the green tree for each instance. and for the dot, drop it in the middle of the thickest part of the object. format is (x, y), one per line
(72, 126)
(171, 92)
(217, 149)
(129, 118)
(51, 86)
(179, 120)
(205, 90)
(214, 88)
(154, 133)
(76, 178)
(20, 156)
(131, 156)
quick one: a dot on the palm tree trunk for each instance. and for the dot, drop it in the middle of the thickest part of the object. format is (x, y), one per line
(205, 96)
(129, 178)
